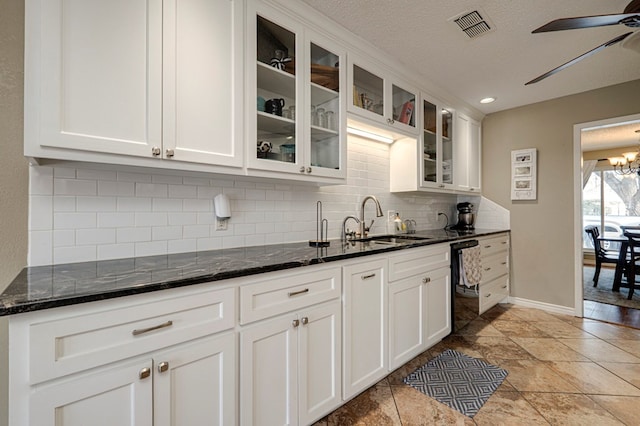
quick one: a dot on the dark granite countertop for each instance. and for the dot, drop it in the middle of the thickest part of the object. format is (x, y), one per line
(45, 287)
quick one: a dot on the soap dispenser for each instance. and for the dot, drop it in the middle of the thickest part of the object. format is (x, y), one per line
(398, 223)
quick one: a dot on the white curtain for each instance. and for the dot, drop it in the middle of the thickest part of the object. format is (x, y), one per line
(588, 166)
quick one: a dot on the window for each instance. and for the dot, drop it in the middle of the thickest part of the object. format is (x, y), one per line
(612, 201)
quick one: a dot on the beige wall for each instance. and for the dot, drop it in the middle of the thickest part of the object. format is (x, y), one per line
(13, 166)
(542, 230)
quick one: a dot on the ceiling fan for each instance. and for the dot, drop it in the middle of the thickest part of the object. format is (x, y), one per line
(630, 18)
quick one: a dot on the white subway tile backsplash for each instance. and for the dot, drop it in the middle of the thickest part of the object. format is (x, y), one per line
(95, 236)
(151, 219)
(118, 189)
(74, 187)
(133, 235)
(107, 214)
(74, 220)
(95, 204)
(133, 204)
(116, 220)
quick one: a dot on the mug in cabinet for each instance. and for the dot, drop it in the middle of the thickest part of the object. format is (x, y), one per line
(274, 106)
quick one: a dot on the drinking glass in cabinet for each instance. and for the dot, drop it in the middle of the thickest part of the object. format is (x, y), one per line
(368, 90)
(324, 107)
(276, 84)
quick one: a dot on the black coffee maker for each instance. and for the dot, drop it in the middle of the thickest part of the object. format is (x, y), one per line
(466, 218)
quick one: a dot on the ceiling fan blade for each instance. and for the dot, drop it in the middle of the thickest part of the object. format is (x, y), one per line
(579, 58)
(583, 22)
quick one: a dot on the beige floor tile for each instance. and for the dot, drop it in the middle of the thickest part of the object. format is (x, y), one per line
(500, 312)
(610, 331)
(398, 375)
(456, 343)
(535, 376)
(518, 328)
(548, 349)
(508, 409)
(624, 408)
(599, 350)
(561, 329)
(528, 314)
(628, 372)
(416, 408)
(374, 406)
(497, 347)
(479, 327)
(631, 346)
(570, 409)
(591, 378)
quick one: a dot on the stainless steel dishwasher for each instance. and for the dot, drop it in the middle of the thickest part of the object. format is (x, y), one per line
(463, 309)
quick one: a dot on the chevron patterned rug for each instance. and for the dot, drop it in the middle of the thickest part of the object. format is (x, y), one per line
(457, 380)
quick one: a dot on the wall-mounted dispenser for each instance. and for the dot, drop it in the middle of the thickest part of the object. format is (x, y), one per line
(222, 209)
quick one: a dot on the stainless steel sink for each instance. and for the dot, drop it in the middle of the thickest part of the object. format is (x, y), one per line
(392, 239)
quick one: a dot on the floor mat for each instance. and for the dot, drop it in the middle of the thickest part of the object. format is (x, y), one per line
(457, 380)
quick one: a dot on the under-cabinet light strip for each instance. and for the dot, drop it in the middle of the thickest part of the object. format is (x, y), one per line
(369, 135)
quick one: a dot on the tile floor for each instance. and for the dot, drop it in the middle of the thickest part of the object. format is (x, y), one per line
(563, 370)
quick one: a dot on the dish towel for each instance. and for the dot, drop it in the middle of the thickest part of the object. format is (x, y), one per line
(470, 266)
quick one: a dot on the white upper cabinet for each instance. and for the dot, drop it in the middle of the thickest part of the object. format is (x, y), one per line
(295, 113)
(93, 75)
(139, 78)
(468, 155)
(381, 98)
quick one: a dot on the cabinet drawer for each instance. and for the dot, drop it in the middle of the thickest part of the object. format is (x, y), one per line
(75, 343)
(416, 261)
(493, 292)
(287, 292)
(494, 266)
(492, 245)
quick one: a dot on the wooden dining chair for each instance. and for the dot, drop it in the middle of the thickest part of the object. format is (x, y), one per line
(633, 267)
(602, 255)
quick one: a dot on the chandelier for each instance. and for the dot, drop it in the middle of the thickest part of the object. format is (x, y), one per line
(629, 162)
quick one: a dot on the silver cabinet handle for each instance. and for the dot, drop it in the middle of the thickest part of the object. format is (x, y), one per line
(308, 169)
(487, 269)
(504, 242)
(137, 332)
(504, 263)
(305, 320)
(163, 366)
(504, 286)
(169, 153)
(390, 120)
(302, 169)
(296, 322)
(155, 151)
(144, 373)
(295, 293)
(488, 295)
(366, 277)
(426, 280)
(487, 246)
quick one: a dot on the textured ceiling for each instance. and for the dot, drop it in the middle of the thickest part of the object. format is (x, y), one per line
(617, 135)
(420, 34)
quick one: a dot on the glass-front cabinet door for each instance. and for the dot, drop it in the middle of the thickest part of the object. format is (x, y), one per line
(380, 97)
(295, 80)
(437, 153)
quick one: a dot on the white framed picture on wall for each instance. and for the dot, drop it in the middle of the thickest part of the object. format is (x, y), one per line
(523, 174)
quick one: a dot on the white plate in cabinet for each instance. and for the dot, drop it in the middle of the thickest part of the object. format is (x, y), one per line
(285, 292)
(72, 343)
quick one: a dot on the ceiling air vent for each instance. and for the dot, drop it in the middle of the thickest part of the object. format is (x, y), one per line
(473, 24)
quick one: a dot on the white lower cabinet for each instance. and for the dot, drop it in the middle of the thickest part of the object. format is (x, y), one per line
(365, 325)
(419, 302)
(162, 359)
(290, 367)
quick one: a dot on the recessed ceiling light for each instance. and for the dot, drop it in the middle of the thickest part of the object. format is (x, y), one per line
(487, 100)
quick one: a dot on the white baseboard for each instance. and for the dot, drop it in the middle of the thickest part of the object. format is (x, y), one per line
(565, 310)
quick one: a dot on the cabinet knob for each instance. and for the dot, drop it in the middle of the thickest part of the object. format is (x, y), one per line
(163, 366)
(296, 322)
(440, 186)
(308, 169)
(155, 151)
(302, 169)
(426, 280)
(169, 153)
(390, 120)
(305, 320)
(144, 373)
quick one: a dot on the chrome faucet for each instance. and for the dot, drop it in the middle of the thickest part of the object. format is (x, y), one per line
(346, 234)
(363, 227)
